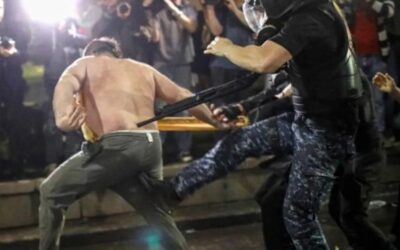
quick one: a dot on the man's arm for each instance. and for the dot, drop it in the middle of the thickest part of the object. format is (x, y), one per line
(169, 92)
(68, 112)
(189, 23)
(385, 83)
(211, 20)
(267, 58)
(232, 6)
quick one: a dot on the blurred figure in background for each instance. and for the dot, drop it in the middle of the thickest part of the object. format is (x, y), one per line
(174, 23)
(225, 18)
(201, 38)
(366, 19)
(15, 36)
(126, 22)
(387, 84)
(393, 28)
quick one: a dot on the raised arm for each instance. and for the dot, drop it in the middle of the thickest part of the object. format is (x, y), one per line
(187, 21)
(212, 21)
(386, 84)
(234, 6)
(69, 114)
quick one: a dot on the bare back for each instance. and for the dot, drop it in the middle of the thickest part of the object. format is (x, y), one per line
(116, 94)
(119, 93)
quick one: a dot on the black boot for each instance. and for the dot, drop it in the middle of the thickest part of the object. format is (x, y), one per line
(162, 191)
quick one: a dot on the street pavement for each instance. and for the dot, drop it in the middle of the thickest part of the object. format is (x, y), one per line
(243, 236)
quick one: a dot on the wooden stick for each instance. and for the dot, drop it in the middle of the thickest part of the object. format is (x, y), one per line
(192, 124)
(188, 123)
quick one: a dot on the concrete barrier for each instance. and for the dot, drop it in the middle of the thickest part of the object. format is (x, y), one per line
(20, 199)
(20, 202)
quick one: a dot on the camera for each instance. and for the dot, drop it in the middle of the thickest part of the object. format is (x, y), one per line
(6, 42)
(124, 9)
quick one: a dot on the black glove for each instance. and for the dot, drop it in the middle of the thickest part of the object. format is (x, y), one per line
(231, 111)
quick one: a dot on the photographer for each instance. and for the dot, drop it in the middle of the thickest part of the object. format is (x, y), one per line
(232, 5)
(126, 22)
(123, 9)
(12, 86)
(7, 47)
(14, 35)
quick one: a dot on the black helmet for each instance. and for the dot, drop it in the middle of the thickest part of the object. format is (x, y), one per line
(270, 28)
(276, 9)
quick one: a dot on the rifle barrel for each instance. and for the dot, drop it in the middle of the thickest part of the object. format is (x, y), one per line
(204, 96)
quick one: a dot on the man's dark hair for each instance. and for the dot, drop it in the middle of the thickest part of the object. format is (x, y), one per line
(102, 45)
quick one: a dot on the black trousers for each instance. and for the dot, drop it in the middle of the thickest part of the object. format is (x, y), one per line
(349, 201)
(396, 223)
(116, 162)
(270, 197)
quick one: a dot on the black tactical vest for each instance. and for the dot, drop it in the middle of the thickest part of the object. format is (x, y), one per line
(327, 90)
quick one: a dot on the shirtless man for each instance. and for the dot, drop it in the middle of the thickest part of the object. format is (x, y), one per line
(108, 96)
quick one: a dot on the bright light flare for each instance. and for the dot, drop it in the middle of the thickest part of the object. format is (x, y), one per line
(50, 11)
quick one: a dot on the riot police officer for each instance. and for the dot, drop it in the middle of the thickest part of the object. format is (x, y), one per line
(312, 44)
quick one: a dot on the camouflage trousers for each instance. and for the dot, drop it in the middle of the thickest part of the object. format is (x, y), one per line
(317, 152)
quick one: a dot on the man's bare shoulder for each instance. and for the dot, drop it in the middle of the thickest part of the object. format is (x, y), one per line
(77, 68)
(137, 64)
(87, 60)
(84, 60)
(79, 64)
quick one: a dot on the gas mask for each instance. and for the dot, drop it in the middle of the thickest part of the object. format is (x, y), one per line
(254, 14)
(259, 22)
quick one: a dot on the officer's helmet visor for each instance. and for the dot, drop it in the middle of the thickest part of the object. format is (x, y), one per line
(255, 15)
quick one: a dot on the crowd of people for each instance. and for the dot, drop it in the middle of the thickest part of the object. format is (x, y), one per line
(171, 36)
(319, 112)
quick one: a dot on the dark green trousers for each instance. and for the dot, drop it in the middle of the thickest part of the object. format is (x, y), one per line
(115, 162)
